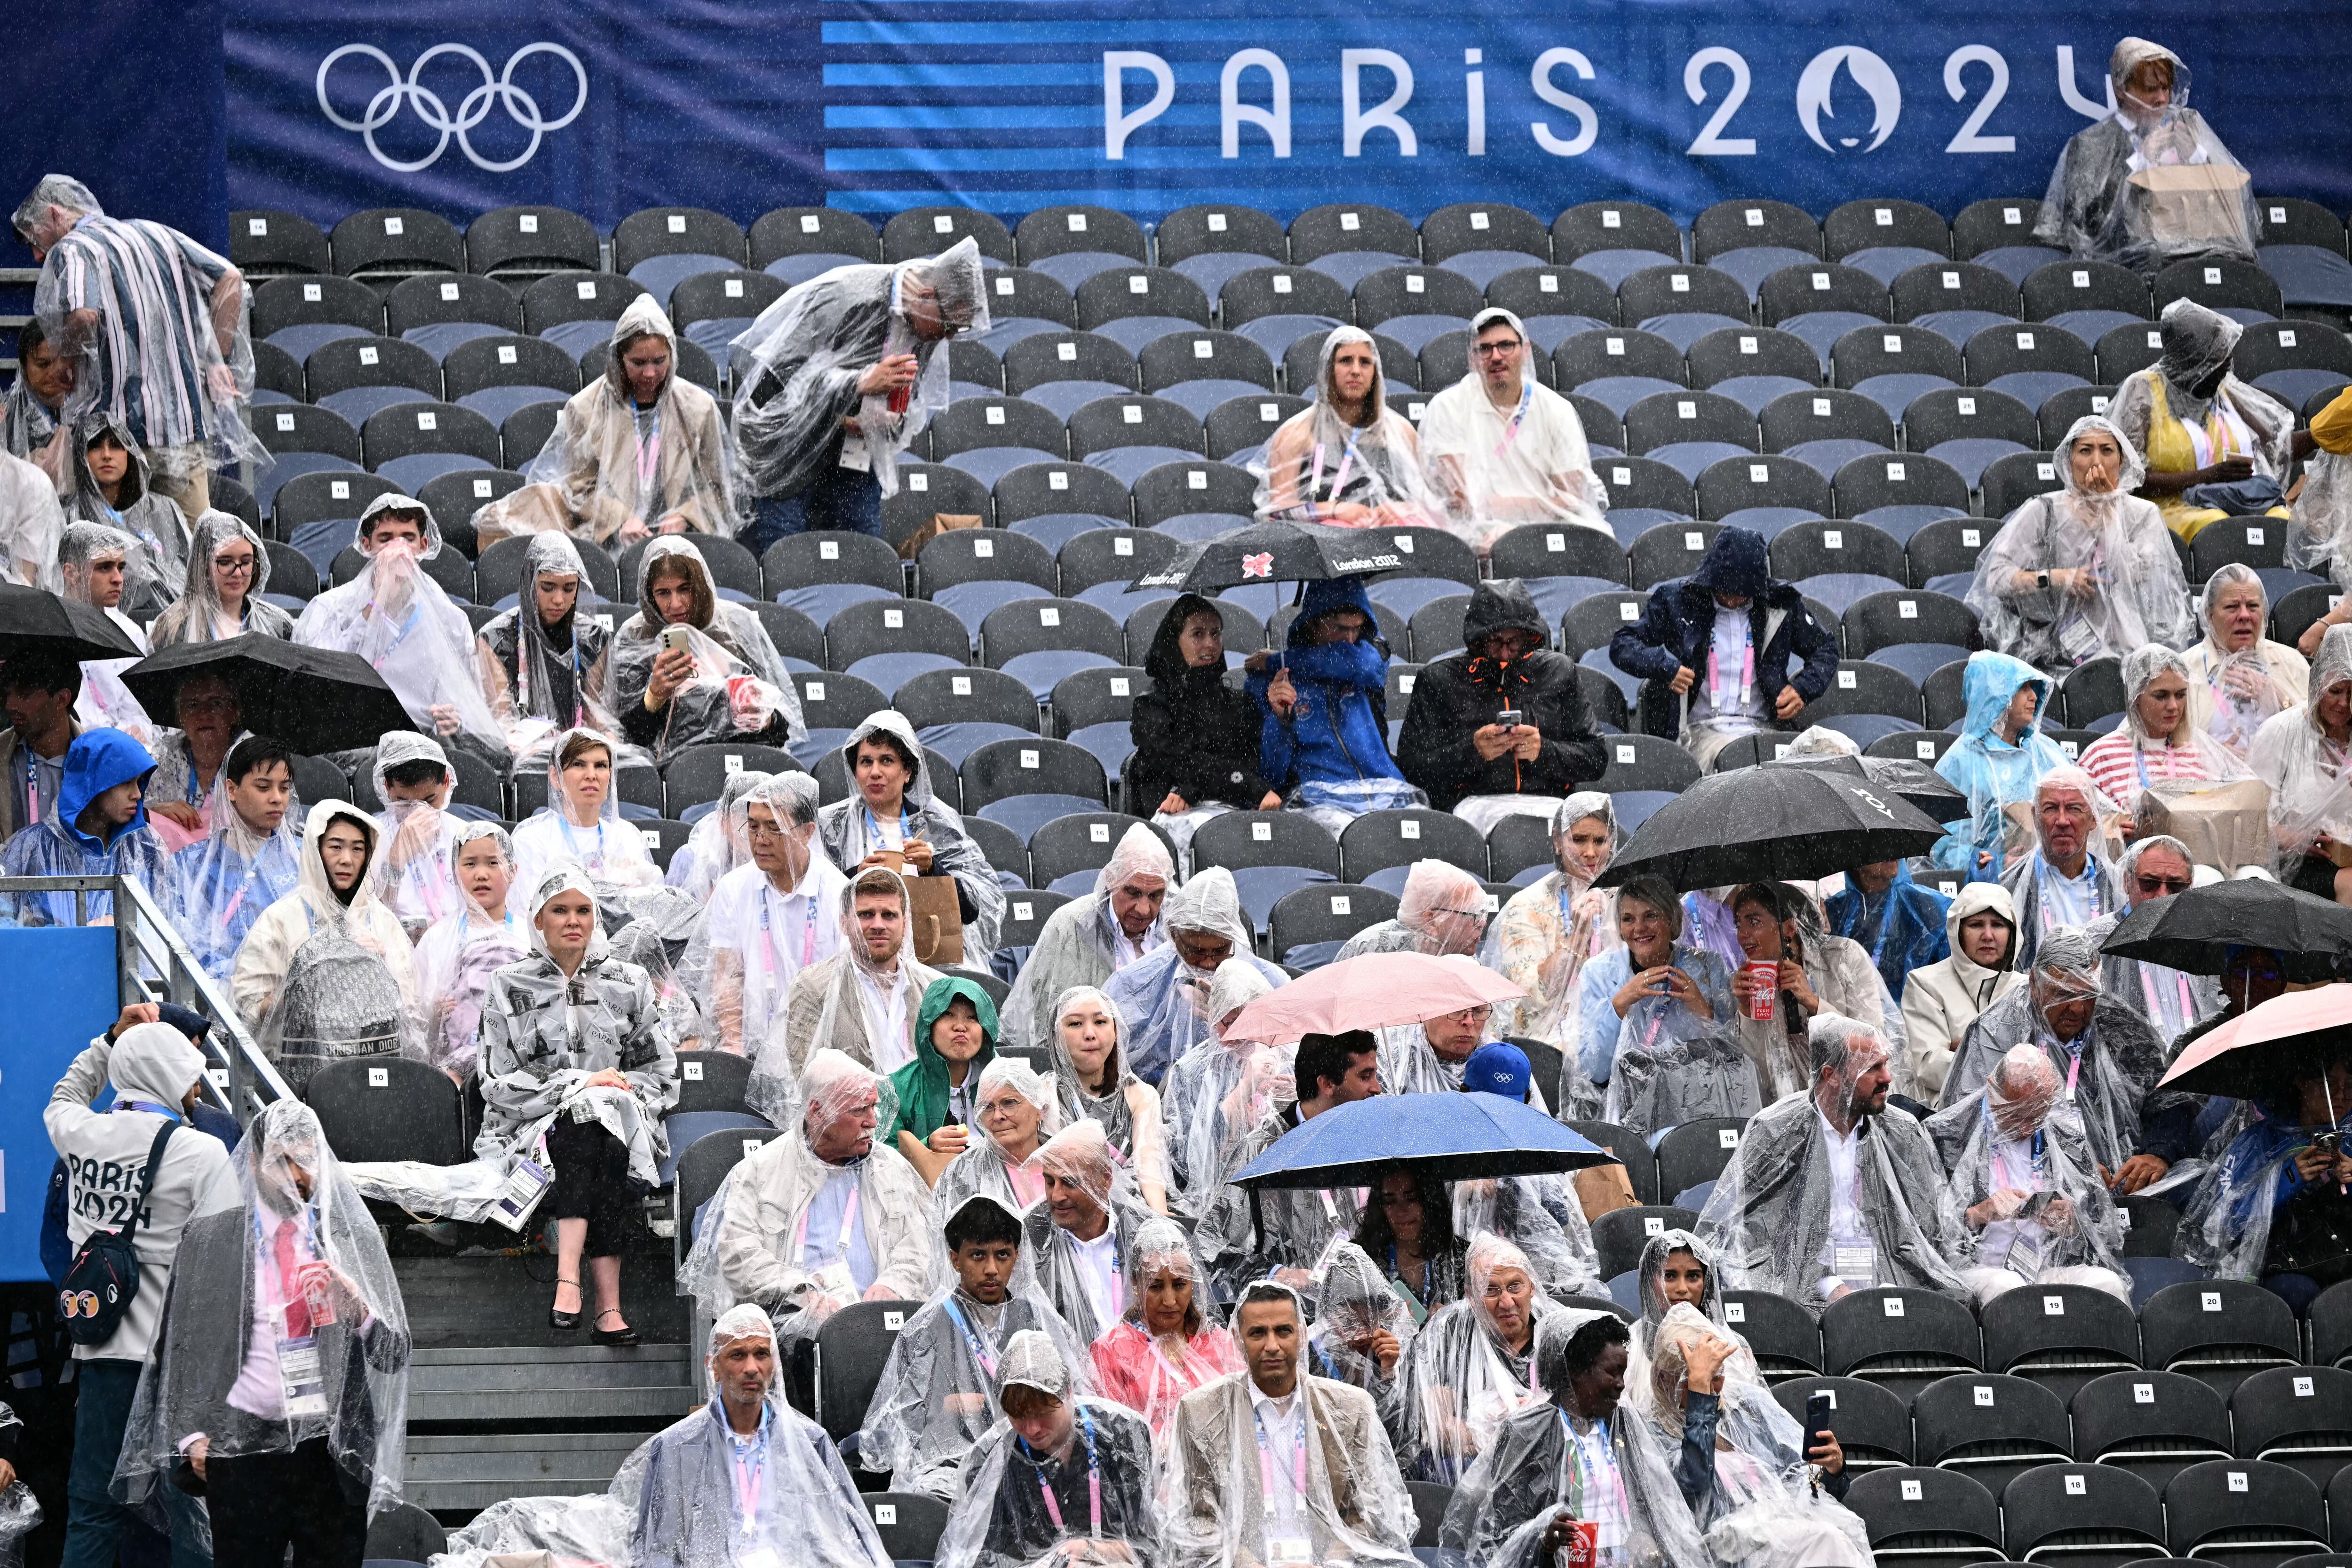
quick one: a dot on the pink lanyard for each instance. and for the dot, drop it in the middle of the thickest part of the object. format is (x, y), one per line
(1746, 676)
(1265, 1459)
(649, 452)
(768, 936)
(2147, 984)
(1519, 417)
(750, 1475)
(1094, 1484)
(848, 1218)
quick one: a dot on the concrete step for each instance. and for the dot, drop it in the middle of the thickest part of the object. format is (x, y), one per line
(491, 1386)
(457, 1474)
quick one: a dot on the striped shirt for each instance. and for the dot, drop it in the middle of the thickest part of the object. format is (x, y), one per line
(151, 288)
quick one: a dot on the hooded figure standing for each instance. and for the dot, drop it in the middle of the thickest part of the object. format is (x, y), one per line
(1089, 939)
(99, 829)
(1347, 459)
(1501, 729)
(638, 451)
(2209, 445)
(1713, 650)
(1324, 735)
(1500, 448)
(836, 380)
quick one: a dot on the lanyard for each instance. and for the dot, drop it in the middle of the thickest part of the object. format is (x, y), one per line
(1746, 676)
(1094, 1479)
(848, 1218)
(1298, 1455)
(523, 662)
(775, 960)
(874, 829)
(1519, 417)
(751, 1472)
(2034, 1149)
(148, 1105)
(1428, 1277)
(2148, 984)
(1347, 462)
(649, 448)
(593, 861)
(983, 1348)
(237, 899)
(2042, 904)
(32, 788)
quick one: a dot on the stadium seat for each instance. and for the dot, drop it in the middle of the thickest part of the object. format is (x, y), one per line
(1821, 547)
(1991, 1428)
(265, 242)
(2244, 1512)
(1619, 1235)
(2153, 1424)
(1316, 921)
(1378, 839)
(1926, 1515)
(2083, 1513)
(2008, 483)
(2218, 285)
(1631, 1149)
(2300, 1416)
(1669, 550)
(1872, 1425)
(1696, 1151)
(388, 1108)
(1744, 482)
(1900, 1338)
(2219, 1332)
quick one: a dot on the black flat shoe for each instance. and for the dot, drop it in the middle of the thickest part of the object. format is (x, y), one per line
(563, 1322)
(624, 1337)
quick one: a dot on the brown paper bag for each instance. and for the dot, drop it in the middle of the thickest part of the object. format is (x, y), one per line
(941, 522)
(1601, 1189)
(935, 924)
(2225, 826)
(2194, 204)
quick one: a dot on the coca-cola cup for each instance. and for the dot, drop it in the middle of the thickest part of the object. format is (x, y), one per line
(1766, 974)
(1583, 1547)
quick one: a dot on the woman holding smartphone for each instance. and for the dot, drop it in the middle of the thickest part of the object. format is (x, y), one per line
(1653, 992)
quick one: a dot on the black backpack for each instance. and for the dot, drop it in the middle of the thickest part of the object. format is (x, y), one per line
(104, 1275)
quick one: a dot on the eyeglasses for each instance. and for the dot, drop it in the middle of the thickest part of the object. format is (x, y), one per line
(233, 566)
(2156, 886)
(1485, 351)
(759, 829)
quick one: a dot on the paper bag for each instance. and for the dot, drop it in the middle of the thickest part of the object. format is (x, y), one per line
(2194, 204)
(2225, 826)
(1600, 1188)
(934, 920)
(941, 523)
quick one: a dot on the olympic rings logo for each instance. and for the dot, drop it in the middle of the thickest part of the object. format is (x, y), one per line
(472, 111)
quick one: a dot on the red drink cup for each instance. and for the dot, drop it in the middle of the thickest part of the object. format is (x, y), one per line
(1583, 1548)
(1766, 972)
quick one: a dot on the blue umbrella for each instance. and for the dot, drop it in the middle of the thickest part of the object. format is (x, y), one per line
(1458, 1138)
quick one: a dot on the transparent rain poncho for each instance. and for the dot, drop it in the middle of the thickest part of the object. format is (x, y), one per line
(688, 1510)
(1164, 999)
(2311, 796)
(716, 844)
(739, 688)
(1127, 1110)
(657, 929)
(797, 367)
(200, 614)
(1994, 772)
(2117, 192)
(2024, 1179)
(398, 619)
(986, 1168)
(591, 834)
(2320, 539)
(20, 1510)
(2189, 411)
(222, 884)
(536, 676)
(1550, 930)
(31, 522)
(2231, 1215)
(1544, 1461)
(416, 875)
(2045, 898)
(850, 833)
(1318, 468)
(2238, 683)
(756, 938)
(1678, 1043)
(1541, 1216)
(1218, 1091)
(457, 956)
(104, 701)
(1775, 1221)
(1083, 943)
(1495, 469)
(1091, 1504)
(1354, 1308)
(1463, 1378)
(1320, 1487)
(850, 1003)
(2170, 1000)
(1147, 1369)
(1650, 1288)
(937, 1392)
(613, 470)
(1245, 1239)
(2136, 594)
(2132, 765)
(159, 527)
(1442, 910)
(239, 1249)
(1091, 1302)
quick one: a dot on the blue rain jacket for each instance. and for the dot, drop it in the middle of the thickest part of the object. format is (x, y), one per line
(1340, 732)
(97, 760)
(1990, 770)
(1902, 927)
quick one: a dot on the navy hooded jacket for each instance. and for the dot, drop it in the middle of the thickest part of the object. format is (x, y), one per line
(97, 761)
(1678, 624)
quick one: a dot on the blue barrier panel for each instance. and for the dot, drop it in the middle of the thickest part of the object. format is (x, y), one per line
(61, 985)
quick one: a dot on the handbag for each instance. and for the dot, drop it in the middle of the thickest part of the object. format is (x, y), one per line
(934, 920)
(104, 1275)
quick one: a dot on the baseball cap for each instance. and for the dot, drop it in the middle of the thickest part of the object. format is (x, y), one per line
(1496, 1068)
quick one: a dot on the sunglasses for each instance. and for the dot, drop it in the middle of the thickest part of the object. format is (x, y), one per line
(2156, 886)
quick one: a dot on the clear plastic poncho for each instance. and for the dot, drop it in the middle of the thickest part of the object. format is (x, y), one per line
(1164, 999)
(572, 830)
(1331, 1494)
(986, 1168)
(753, 938)
(1442, 910)
(1464, 1378)
(1245, 1239)
(137, 511)
(2238, 678)
(1127, 1110)
(416, 875)
(797, 368)
(739, 687)
(2045, 898)
(1550, 930)
(1083, 943)
(1355, 1307)
(20, 1510)
(200, 614)
(1318, 468)
(2320, 539)
(1776, 1220)
(2226, 1224)
(1091, 1504)
(2133, 765)
(538, 689)
(2311, 796)
(2189, 411)
(223, 882)
(2122, 191)
(2170, 1000)
(1494, 470)
(2136, 594)
(937, 1392)
(310, 1270)
(1218, 1091)
(850, 833)
(1676, 1042)
(1650, 1287)
(104, 701)
(397, 618)
(1992, 772)
(1542, 1216)
(850, 1003)
(716, 844)
(1150, 1371)
(457, 956)
(1090, 1303)
(31, 521)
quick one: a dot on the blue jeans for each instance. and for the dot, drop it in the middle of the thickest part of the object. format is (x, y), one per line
(838, 497)
(94, 1520)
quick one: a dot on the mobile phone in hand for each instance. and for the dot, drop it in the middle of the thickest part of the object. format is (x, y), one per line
(1510, 718)
(1817, 1419)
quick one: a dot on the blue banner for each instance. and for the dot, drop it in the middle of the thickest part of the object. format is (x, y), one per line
(61, 985)
(613, 105)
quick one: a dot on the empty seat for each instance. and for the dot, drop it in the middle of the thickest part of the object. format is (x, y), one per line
(1820, 286)
(2008, 483)
(1939, 1516)
(2244, 1512)
(1742, 482)
(2152, 1424)
(2083, 1513)
(2300, 1416)
(1380, 839)
(1676, 290)
(2219, 1330)
(1900, 479)
(805, 231)
(1903, 1338)
(395, 241)
(1991, 1428)
(524, 242)
(2218, 284)
(928, 231)
(1347, 227)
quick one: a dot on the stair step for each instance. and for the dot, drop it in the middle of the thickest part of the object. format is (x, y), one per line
(455, 1473)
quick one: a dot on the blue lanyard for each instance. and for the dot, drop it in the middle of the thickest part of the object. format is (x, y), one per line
(597, 863)
(148, 1105)
(875, 828)
(980, 1346)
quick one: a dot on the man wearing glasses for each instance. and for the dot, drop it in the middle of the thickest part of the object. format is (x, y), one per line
(2155, 867)
(1501, 448)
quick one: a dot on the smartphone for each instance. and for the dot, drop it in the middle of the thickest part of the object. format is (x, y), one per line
(1510, 718)
(677, 640)
(1817, 1418)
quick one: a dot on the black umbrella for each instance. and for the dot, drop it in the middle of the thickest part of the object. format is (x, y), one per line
(1771, 824)
(2190, 930)
(1922, 786)
(32, 618)
(312, 699)
(1278, 552)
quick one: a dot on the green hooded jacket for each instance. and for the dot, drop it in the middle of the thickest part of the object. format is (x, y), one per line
(922, 1083)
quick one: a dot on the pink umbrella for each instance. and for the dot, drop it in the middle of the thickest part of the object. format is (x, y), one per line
(2256, 1051)
(1374, 991)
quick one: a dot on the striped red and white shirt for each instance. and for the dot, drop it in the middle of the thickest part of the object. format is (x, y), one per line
(2119, 767)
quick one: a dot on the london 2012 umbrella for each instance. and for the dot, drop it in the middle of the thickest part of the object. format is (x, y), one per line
(33, 619)
(1771, 824)
(312, 699)
(2192, 931)
(1278, 552)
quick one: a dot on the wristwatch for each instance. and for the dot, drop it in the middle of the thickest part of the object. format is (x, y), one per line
(2042, 578)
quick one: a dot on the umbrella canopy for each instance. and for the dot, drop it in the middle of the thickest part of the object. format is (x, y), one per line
(1276, 552)
(1458, 1138)
(1772, 824)
(312, 699)
(32, 618)
(1921, 786)
(2191, 931)
(1376, 991)
(2262, 1050)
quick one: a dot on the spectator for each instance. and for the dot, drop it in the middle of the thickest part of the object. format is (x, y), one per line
(157, 1074)
(1347, 459)
(31, 522)
(1089, 939)
(1813, 973)
(295, 1451)
(581, 822)
(1015, 1110)
(832, 386)
(1082, 1237)
(1160, 995)
(2300, 755)
(2158, 741)
(394, 615)
(109, 484)
(1744, 657)
(417, 878)
(718, 842)
(1097, 1083)
(1940, 1000)
(40, 690)
(1291, 1228)
(2322, 507)
(248, 859)
(2238, 678)
(1886, 914)
(1501, 448)
(1407, 1229)
(1219, 1089)
(955, 1040)
(772, 916)
(1472, 1361)
(862, 1002)
(1520, 1502)
(638, 451)
(727, 682)
(34, 412)
(92, 562)
(1442, 911)
(100, 829)
(2155, 868)
(2068, 878)
(334, 899)
(1327, 1490)
(228, 573)
(2000, 754)
(691, 1496)
(1196, 738)
(458, 956)
(1429, 1057)
(1540, 1215)
(157, 327)
(1057, 1456)
(1551, 928)
(826, 1216)
(1501, 729)
(1169, 1341)
(1676, 1269)
(895, 822)
(1828, 1194)
(1653, 989)
(2085, 570)
(1323, 739)
(536, 657)
(207, 719)
(2029, 1190)
(1361, 1333)
(937, 1392)
(2203, 444)
(2265, 1209)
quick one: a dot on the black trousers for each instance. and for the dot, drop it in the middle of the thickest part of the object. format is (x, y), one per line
(261, 1503)
(591, 1183)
